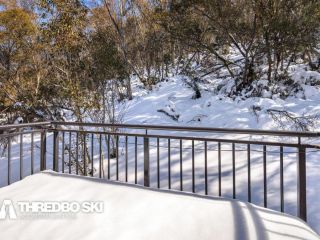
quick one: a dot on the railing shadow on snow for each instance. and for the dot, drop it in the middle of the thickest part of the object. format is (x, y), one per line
(161, 156)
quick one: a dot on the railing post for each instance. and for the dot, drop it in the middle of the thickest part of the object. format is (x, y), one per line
(302, 196)
(43, 150)
(146, 162)
(55, 151)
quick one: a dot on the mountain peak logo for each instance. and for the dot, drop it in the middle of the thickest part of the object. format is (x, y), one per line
(7, 210)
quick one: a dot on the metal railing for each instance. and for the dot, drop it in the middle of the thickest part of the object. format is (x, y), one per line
(71, 153)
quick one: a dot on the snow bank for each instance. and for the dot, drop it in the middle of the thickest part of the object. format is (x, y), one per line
(216, 110)
(131, 212)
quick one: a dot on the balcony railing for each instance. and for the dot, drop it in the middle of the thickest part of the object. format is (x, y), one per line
(170, 156)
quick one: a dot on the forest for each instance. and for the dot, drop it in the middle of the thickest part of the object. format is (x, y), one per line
(215, 98)
(80, 57)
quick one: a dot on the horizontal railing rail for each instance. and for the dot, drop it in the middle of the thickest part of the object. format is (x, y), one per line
(25, 125)
(108, 150)
(193, 129)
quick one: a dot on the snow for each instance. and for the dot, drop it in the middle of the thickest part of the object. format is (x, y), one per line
(214, 109)
(133, 212)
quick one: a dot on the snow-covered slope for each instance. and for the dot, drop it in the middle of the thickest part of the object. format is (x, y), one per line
(174, 97)
(131, 212)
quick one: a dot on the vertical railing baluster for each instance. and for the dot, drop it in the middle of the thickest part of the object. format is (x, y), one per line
(77, 153)
(43, 151)
(219, 167)
(21, 155)
(265, 186)
(70, 148)
(135, 160)
(92, 154)
(62, 153)
(9, 160)
(302, 179)
(169, 163)
(109, 156)
(85, 154)
(100, 156)
(55, 163)
(32, 153)
(193, 171)
(126, 158)
(158, 163)
(249, 172)
(234, 170)
(181, 167)
(117, 157)
(281, 180)
(146, 162)
(206, 168)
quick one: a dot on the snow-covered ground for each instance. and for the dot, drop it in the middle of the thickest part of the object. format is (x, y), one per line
(216, 110)
(132, 212)
(213, 109)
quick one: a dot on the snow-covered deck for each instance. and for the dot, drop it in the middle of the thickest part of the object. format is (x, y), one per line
(134, 212)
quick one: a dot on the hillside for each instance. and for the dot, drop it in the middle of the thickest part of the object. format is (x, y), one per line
(172, 102)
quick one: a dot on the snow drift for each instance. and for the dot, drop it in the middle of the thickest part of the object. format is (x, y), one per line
(132, 212)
